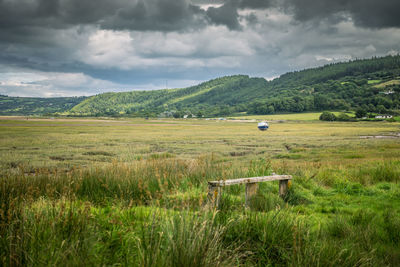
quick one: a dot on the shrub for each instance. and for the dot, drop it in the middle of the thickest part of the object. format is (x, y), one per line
(327, 116)
(360, 112)
(343, 117)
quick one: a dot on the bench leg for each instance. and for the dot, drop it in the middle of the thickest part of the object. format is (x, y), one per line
(251, 190)
(283, 187)
(213, 196)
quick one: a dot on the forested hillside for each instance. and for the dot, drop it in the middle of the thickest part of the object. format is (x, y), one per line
(370, 84)
(216, 97)
(35, 105)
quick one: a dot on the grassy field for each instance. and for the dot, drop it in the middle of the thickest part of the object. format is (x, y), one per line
(95, 192)
(374, 81)
(388, 83)
(310, 116)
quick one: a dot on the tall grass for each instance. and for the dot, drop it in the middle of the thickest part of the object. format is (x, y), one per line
(134, 214)
(139, 182)
(67, 233)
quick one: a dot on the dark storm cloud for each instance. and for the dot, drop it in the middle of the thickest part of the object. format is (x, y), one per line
(163, 15)
(226, 14)
(364, 13)
(181, 15)
(156, 15)
(140, 15)
(256, 4)
(376, 13)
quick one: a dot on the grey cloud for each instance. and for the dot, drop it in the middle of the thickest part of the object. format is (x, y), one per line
(376, 14)
(44, 34)
(181, 15)
(141, 15)
(251, 19)
(256, 4)
(364, 13)
(157, 15)
(227, 15)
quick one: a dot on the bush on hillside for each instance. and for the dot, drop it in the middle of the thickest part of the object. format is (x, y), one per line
(343, 117)
(360, 112)
(327, 116)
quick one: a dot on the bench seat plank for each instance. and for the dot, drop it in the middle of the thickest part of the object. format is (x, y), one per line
(250, 180)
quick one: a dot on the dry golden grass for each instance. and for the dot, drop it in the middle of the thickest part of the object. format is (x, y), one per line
(64, 143)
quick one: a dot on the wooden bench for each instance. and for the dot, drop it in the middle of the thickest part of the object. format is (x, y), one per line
(215, 187)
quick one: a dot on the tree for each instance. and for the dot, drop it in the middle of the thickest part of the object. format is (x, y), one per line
(327, 116)
(320, 101)
(371, 107)
(343, 117)
(360, 112)
(381, 109)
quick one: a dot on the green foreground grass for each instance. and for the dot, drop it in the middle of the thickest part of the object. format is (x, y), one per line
(133, 192)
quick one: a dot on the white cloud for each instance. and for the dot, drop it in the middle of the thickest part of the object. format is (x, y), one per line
(207, 6)
(392, 52)
(56, 84)
(52, 84)
(215, 46)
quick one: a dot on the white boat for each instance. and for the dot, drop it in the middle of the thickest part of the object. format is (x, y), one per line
(263, 126)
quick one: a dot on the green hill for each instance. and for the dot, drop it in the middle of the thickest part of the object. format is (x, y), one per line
(36, 105)
(212, 97)
(339, 86)
(372, 84)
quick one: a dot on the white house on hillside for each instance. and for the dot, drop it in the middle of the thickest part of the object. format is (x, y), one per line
(383, 117)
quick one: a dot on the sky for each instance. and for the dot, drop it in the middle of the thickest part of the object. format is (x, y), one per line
(51, 48)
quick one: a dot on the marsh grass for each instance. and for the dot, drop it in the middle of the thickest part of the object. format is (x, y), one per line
(266, 202)
(76, 233)
(96, 217)
(145, 204)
